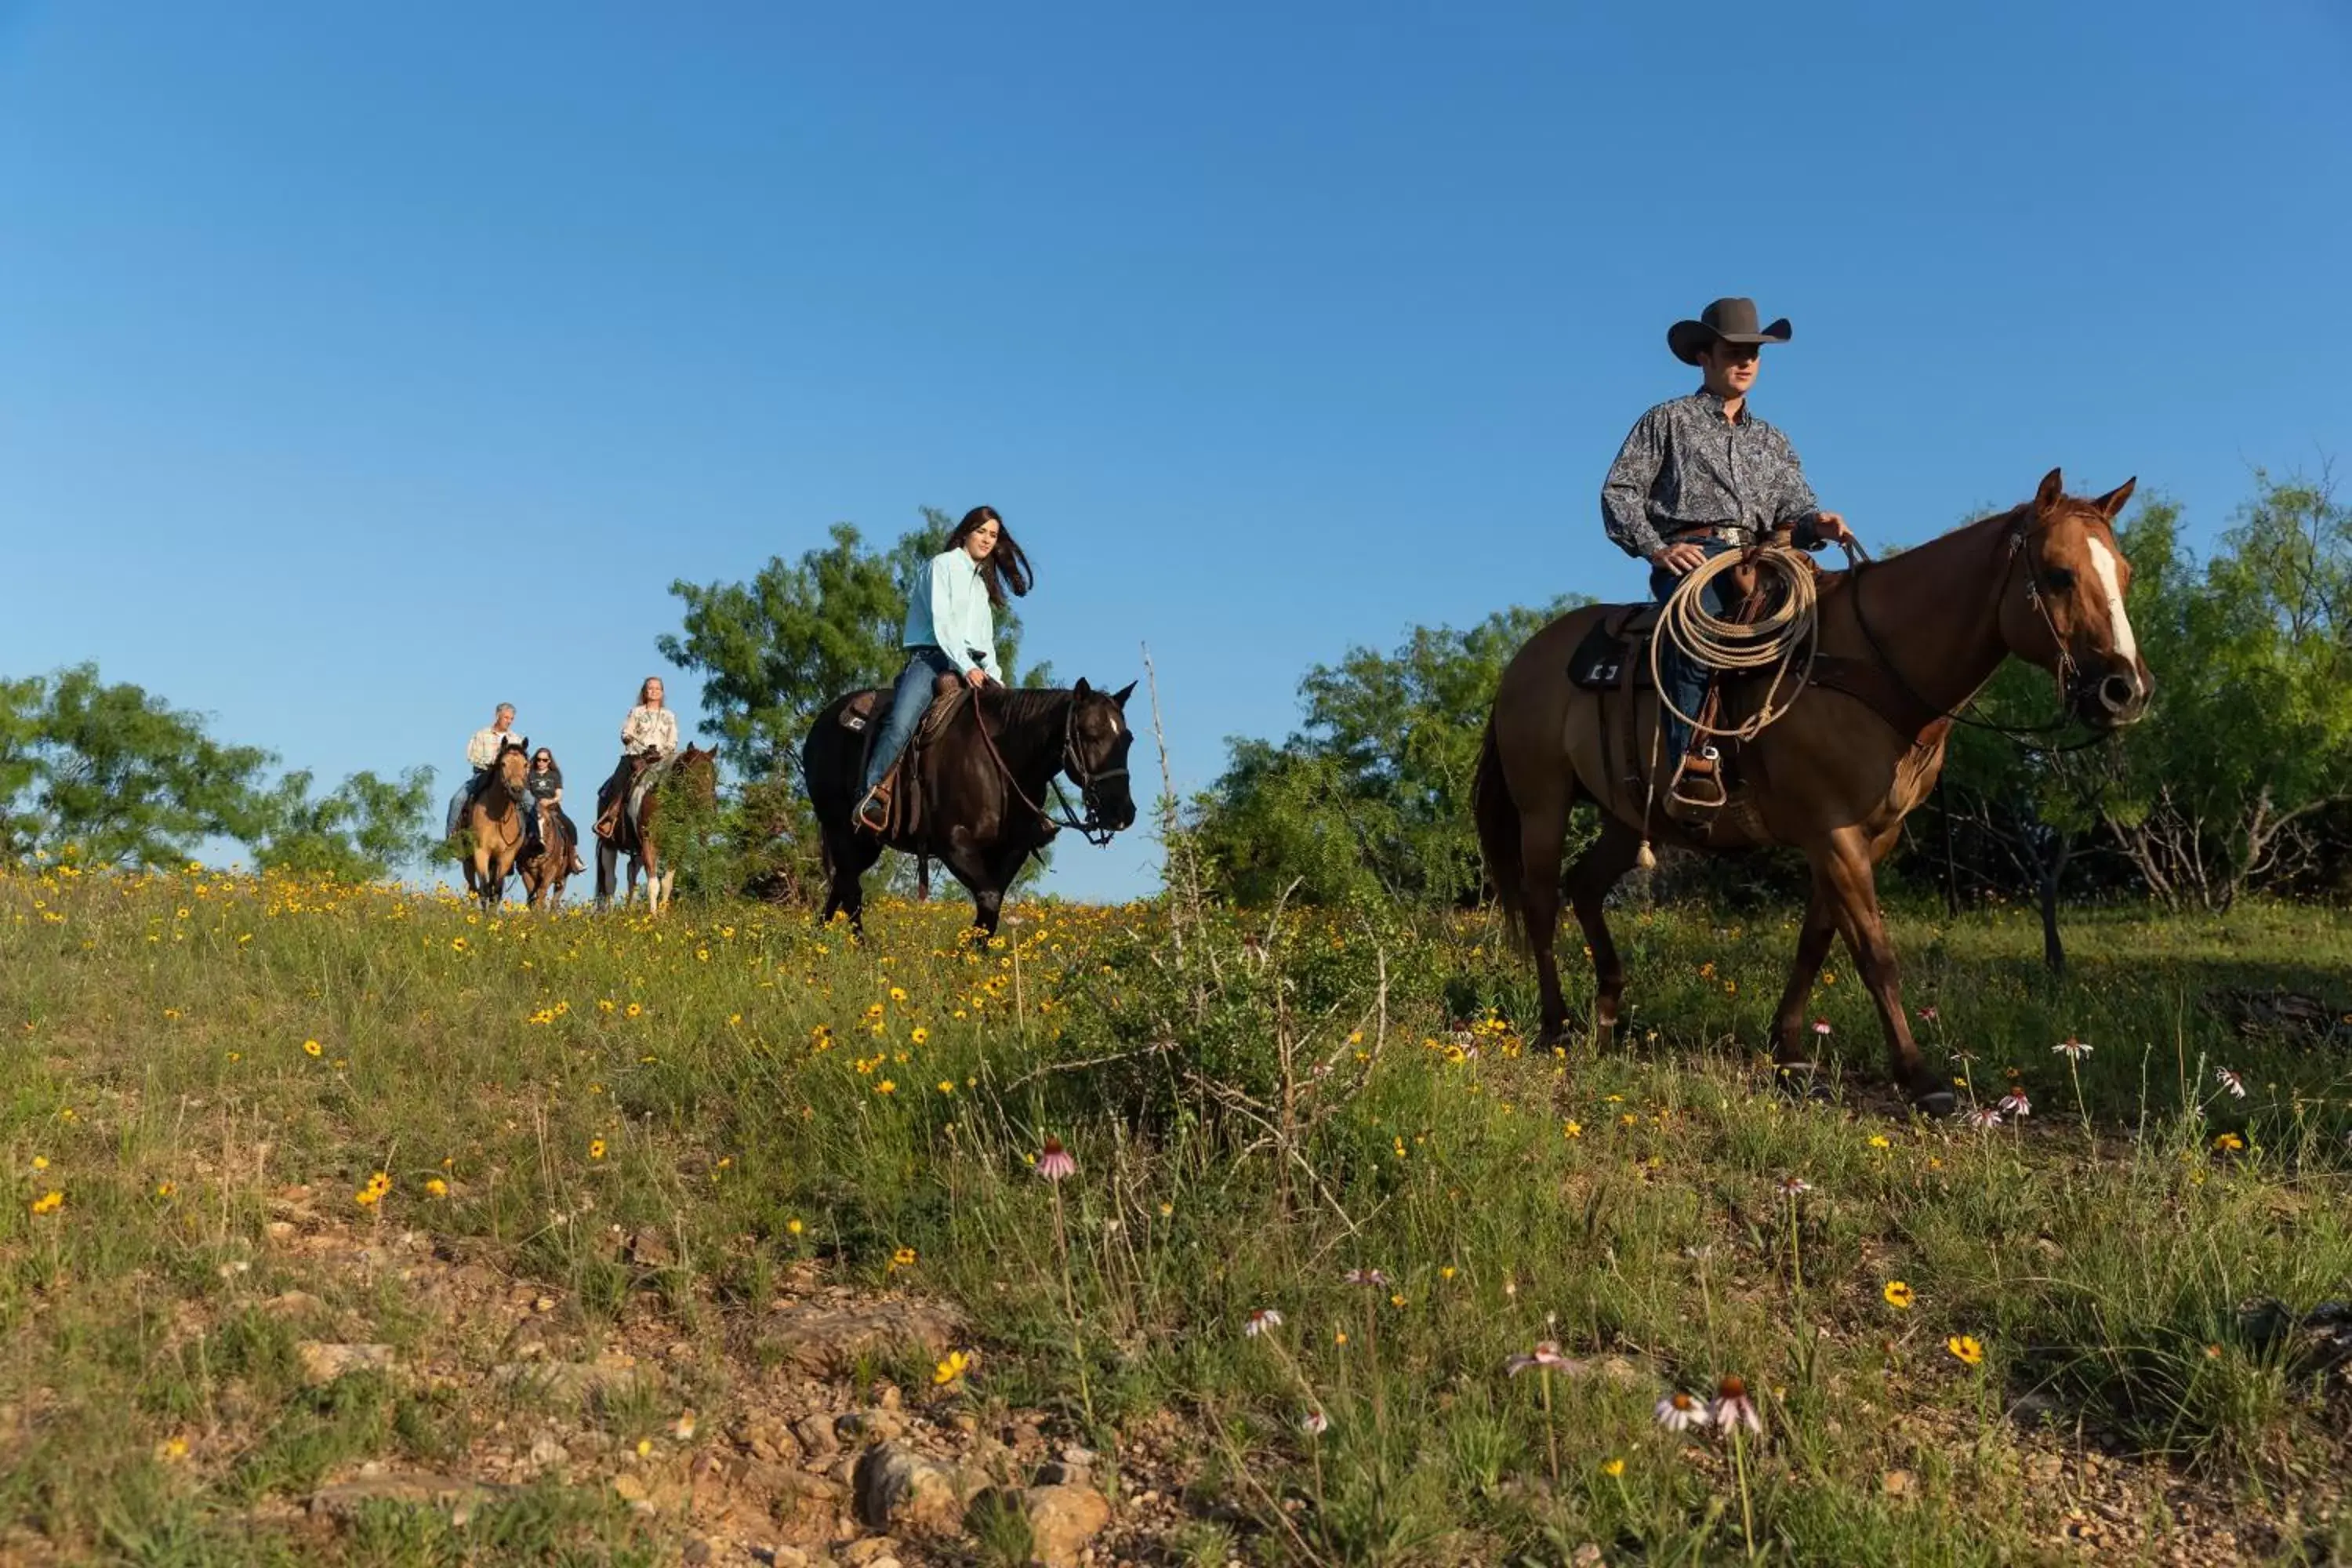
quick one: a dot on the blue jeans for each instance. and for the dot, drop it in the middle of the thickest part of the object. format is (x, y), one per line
(457, 801)
(909, 703)
(1685, 677)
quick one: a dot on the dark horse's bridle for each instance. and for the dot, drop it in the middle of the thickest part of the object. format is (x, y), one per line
(1091, 827)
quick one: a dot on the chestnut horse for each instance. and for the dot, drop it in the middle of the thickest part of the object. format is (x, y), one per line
(544, 873)
(494, 817)
(1904, 644)
(695, 772)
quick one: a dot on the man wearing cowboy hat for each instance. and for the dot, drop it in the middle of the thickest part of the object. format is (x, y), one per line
(1701, 475)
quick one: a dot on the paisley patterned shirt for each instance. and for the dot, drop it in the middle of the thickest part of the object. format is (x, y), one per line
(1685, 466)
(653, 727)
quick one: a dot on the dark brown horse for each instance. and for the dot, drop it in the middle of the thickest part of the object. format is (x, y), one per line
(493, 817)
(545, 870)
(1908, 642)
(984, 780)
(696, 773)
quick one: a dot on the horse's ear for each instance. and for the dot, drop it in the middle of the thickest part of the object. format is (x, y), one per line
(1122, 694)
(2113, 501)
(1081, 689)
(2053, 492)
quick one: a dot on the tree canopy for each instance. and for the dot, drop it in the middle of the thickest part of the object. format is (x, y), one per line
(110, 775)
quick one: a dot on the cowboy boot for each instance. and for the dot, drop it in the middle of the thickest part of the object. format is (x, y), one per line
(873, 813)
(1696, 791)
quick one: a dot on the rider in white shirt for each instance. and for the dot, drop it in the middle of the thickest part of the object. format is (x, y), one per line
(481, 752)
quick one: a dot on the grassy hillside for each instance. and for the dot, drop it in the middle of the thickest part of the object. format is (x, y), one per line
(254, 1125)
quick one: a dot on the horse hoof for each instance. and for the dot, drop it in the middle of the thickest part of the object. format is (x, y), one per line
(1936, 1104)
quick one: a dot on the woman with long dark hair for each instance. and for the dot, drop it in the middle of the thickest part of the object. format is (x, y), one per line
(544, 780)
(950, 631)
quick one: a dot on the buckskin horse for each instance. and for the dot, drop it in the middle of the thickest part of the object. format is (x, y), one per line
(1903, 645)
(696, 771)
(494, 817)
(980, 780)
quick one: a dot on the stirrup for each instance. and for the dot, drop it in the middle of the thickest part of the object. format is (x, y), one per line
(1701, 792)
(876, 801)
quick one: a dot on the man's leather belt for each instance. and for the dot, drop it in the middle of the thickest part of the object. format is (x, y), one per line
(1734, 532)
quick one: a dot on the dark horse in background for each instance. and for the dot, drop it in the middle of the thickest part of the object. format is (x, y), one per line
(639, 836)
(984, 780)
(1904, 645)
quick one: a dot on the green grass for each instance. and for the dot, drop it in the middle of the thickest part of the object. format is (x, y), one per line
(1257, 1105)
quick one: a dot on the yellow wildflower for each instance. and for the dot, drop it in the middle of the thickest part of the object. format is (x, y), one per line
(50, 1202)
(948, 1370)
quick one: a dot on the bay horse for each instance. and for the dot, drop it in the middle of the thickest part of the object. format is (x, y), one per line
(1908, 642)
(545, 873)
(494, 818)
(696, 771)
(984, 779)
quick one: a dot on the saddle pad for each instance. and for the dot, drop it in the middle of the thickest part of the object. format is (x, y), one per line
(1599, 662)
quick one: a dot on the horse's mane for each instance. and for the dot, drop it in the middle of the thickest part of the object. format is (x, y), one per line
(1027, 704)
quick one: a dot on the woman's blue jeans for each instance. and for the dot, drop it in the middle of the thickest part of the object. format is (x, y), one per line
(1685, 677)
(909, 703)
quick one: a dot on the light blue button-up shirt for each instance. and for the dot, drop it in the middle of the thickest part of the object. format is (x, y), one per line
(948, 608)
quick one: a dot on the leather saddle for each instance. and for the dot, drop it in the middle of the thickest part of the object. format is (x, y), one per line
(868, 711)
(1614, 657)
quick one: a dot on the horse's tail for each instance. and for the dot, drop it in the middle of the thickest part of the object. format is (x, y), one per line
(1498, 835)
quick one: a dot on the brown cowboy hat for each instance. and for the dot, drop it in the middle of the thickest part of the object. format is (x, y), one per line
(1726, 321)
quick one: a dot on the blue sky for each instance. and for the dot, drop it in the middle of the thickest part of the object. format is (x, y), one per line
(360, 366)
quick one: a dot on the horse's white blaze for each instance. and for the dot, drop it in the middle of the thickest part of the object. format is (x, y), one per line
(2102, 561)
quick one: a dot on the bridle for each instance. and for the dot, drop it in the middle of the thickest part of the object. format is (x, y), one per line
(2066, 676)
(1091, 827)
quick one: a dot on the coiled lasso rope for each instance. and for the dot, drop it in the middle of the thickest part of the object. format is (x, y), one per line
(1773, 641)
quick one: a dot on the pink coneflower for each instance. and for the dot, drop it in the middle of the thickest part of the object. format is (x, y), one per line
(1366, 1277)
(1795, 1187)
(1314, 1423)
(1733, 1407)
(2015, 1105)
(1984, 1116)
(1820, 1025)
(1054, 1161)
(2072, 1048)
(1261, 1321)
(1544, 1355)
(2231, 1081)
(1678, 1412)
